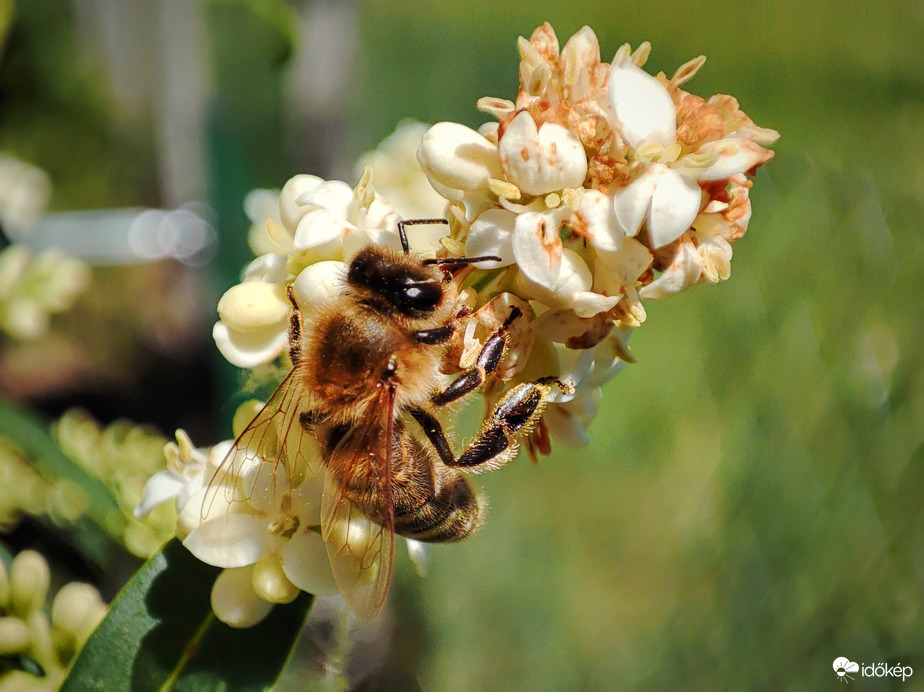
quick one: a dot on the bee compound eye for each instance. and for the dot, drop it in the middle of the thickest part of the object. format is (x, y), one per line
(422, 295)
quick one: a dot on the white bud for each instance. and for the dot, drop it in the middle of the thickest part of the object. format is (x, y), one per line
(29, 580)
(319, 282)
(15, 636)
(76, 612)
(234, 601)
(289, 209)
(270, 582)
(458, 157)
(254, 305)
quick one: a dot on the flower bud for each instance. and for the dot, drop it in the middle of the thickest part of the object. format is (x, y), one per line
(289, 208)
(270, 582)
(15, 636)
(253, 305)
(29, 580)
(318, 282)
(458, 157)
(76, 612)
(4, 586)
(234, 601)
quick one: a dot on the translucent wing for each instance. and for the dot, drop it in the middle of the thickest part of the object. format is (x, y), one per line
(360, 547)
(274, 442)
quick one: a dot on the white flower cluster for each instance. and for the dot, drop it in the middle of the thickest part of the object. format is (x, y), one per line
(35, 287)
(256, 526)
(32, 287)
(600, 187)
(24, 193)
(27, 630)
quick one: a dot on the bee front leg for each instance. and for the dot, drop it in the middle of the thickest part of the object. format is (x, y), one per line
(488, 359)
(295, 329)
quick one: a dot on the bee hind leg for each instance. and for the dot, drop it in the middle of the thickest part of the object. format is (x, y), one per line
(513, 416)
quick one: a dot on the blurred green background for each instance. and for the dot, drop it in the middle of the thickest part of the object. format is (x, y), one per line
(750, 505)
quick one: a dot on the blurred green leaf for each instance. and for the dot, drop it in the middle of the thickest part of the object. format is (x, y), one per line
(7, 10)
(32, 436)
(160, 634)
(274, 14)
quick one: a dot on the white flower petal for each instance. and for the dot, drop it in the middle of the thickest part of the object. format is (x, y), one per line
(318, 283)
(234, 601)
(260, 205)
(576, 366)
(683, 272)
(250, 348)
(631, 203)
(537, 247)
(305, 563)
(567, 421)
(492, 234)
(588, 303)
(321, 230)
(643, 108)
(356, 241)
(270, 267)
(458, 157)
(540, 160)
(608, 358)
(160, 487)
(674, 205)
(233, 540)
(290, 211)
(419, 552)
(597, 219)
(379, 214)
(614, 271)
(735, 155)
(332, 195)
(574, 278)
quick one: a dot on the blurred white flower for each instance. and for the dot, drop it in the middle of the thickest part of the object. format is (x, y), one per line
(397, 176)
(32, 288)
(24, 193)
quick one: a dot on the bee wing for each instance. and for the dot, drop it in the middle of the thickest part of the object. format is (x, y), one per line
(274, 438)
(361, 548)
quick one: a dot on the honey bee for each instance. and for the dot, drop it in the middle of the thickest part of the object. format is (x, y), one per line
(363, 396)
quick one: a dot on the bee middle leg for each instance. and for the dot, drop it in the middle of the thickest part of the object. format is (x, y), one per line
(496, 443)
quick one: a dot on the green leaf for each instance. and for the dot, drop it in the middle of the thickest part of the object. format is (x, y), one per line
(161, 634)
(31, 435)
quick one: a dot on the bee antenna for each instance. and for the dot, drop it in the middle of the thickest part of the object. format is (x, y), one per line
(414, 222)
(462, 260)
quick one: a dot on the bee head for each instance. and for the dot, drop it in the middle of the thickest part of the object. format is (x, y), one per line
(399, 282)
